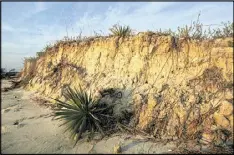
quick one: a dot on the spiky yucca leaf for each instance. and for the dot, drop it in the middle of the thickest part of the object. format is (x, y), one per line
(81, 113)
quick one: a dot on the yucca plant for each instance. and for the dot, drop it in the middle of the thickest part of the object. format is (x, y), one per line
(82, 113)
(122, 31)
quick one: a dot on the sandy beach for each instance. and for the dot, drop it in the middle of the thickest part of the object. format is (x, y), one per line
(29, 128)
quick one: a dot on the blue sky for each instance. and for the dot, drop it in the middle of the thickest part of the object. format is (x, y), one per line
(28, 26)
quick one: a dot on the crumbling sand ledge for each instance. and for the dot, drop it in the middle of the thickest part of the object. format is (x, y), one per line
(35, 131)
(29, 128)
(179, 89)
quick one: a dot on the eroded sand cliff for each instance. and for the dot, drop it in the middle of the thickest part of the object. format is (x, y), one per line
(172, 88)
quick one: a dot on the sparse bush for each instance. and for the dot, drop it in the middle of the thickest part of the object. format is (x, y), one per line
(40, 54)
(184, 32)
(49, 46)
(122, 31)
(225, 31)
(57, 42)
(97, 35)
(82, 113)
(30, 59)
(194, 31)
(165, 32)
(217, 33)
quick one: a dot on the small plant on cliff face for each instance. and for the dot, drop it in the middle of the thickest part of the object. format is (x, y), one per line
(194, 31)
(82, 113)
(30, 59)
(122, 31)
(230, 43)
(228, 29)
(40, 54)
(165, 32)
(223, 32)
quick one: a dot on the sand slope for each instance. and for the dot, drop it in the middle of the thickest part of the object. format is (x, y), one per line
(29, 128)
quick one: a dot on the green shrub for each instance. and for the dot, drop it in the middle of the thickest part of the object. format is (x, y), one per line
(122, 31)
(82, 113)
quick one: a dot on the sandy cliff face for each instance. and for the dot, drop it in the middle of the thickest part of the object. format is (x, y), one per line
(173, 88)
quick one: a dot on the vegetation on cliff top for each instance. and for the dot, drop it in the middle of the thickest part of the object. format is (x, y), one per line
(195, 31)
(122, 31)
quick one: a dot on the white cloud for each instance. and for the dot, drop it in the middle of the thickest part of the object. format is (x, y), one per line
(6, 27)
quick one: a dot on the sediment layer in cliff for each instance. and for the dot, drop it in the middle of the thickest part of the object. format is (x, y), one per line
(174, 88)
